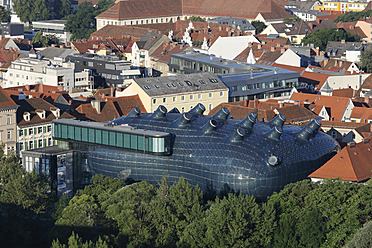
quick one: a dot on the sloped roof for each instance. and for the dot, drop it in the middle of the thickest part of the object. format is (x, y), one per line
(33, 104)
(352, 163)
(336, 104)
(143, 8)
(52, 52)
(164, 51)
(230, 47)
(115, 32)
(5, 100)
(111, 109)
(335, 64)
(292, 28)
(348, 92)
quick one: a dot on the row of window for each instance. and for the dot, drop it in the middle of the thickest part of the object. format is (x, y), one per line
(32, 144)
(264, 85)
(184, 109)
(42, 167)
(35, 130)
(183, 98)
(135, 142)
(159, 20)
(8, 135)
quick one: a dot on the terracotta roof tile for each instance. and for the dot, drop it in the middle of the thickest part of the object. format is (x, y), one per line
(337, 105)
(348, 92)
(111, 109)
(352, 163)
(5, 100)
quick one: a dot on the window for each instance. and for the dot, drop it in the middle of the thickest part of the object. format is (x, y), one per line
(8, 120)
(210, 106)
(210, 94)
(49, 141)
(39, 130)
(190, 107)
(174, 98)
(30, 131)
(221, 93)
(31, 144)
(182, 109)
(40, 143)
(164, 99)
(20, 133)
(154, 101)
(182, 98)
(199, 96)
(49, 128)
(21, 147)
(191, 97)
(8, 135)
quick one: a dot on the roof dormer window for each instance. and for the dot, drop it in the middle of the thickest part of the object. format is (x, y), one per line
(26, 116)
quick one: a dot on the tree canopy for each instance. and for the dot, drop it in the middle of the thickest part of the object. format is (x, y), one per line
(353, 16)
(41, 40)
(365, 61)
(82, 23)
(32, 10)
(4, 15)
(320, 38)
(260, 26)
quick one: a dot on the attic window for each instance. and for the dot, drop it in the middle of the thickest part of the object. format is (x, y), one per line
(156, 86)
(188, 83)
(213, 80)
(168, 85)
(181, 84)
(146, 87)
(173, 85)
(202, 81)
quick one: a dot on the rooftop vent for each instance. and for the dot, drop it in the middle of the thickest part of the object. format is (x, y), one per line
(278, 120)
(248, 121)
(160, 112)
(223, 113)
(135, 112)
(275, 133)
(198, 110)
(210, 126)
(184, 119)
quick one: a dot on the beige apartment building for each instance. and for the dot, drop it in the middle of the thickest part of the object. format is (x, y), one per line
(8, 122)
(181, 91)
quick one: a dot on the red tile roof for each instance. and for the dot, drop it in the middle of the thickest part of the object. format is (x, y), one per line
(5, 100)
(164, 51)
(352, 163)
(348, 92)
(111, 109)
(337, 105)
(87, 46)
(143, 8)
(118, 32)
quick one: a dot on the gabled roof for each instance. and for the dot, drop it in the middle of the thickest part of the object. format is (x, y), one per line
(337, 105)
(142, 9)
(352, 163)
(116, 32)
(158, 86)
(5, 100)
(348, 92)
(335, 64)
(52, 52)
(164, 51)
(31, 106)
(111, 109)
(314, 78)
(292, 28)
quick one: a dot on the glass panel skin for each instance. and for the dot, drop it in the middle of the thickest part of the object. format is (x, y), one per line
(84, 134)
(99, 136)
(91, 135)
(78, 133)
(112, 139)
(141, 143)
(64, 131)
(71, 132)
(213, 158)
(105, 138)
(119, 139)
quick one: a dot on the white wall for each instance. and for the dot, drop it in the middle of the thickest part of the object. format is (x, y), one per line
(347, 81)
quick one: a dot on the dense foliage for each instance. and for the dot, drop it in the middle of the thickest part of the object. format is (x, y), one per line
(260, 26)
(109, 213)
(353, 16)
(82, 23)
(41, 40)
(4, 15)
(365, 61)
(196, 19)
(320, 38)
(292, 19)
(32, 10)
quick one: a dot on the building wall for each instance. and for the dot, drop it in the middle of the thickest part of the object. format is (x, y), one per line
(51, 76)
(353, 56)
(35, 136)
(289, 58)
(351, 6)
(8, 129)
(346, 81)
(186, 101)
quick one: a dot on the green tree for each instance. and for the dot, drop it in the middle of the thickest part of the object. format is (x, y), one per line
(26, 190)
(82, 23)
(62, 8)
(196, 19)
(32, 10)
(41, 40)
(365, 61)
(353, 16)
(363, 238)
(260, 26)
(320, 38)
(4, 15)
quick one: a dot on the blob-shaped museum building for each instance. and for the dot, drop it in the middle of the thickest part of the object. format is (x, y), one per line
(247, 156)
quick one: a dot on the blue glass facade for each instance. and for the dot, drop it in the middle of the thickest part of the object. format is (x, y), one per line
(247, 156)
